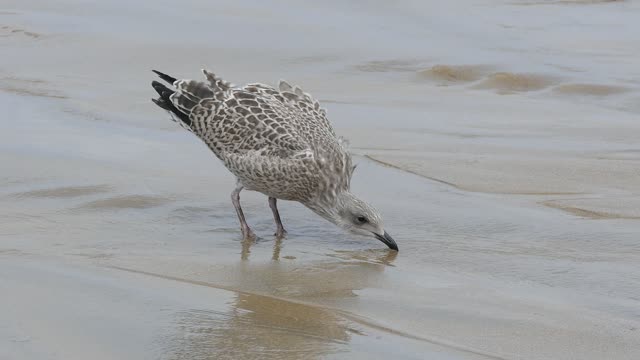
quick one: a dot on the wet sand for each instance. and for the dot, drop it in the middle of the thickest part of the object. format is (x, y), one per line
(507, 172)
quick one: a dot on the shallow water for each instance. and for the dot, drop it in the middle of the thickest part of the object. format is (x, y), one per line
(499, 139)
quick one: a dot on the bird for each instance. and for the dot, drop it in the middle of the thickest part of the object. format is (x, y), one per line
(276, 141)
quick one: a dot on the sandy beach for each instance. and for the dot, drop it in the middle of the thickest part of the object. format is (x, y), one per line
(498, 138)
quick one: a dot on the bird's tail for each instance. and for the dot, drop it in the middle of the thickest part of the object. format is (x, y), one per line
(189, 97)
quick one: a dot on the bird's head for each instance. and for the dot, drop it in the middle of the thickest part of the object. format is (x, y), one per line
(357, 217)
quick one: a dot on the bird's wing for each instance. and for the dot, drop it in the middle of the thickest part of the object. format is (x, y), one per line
(294, 178)
(251, 119)
(191, 102)
(282, 122)
(256, 128)
(301, 112)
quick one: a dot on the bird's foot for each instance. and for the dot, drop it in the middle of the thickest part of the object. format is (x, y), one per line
(280, 233)
(248, 234)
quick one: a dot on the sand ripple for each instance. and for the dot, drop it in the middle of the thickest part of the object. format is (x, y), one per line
(566, 2)
(453, 74)
(508, 82)
(7, 31)
(398, 65)
(126, 202)
(599, 208)
(65, 192)
(31, 87)
(589, 89)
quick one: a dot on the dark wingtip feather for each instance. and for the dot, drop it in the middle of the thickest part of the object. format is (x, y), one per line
(162, 104)
(165, 93)
(161, 89)
(165, 77)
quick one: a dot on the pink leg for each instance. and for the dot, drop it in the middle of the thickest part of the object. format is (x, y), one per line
(280, 231)
(247, 233)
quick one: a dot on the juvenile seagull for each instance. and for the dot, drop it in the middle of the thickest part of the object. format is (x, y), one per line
(277, 142)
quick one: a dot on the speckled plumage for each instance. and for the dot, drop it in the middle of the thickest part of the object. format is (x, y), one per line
(276, 141)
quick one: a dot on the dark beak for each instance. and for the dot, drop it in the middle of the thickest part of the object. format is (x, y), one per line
(387, 240)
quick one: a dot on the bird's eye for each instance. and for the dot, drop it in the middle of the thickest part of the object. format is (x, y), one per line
(361, 219)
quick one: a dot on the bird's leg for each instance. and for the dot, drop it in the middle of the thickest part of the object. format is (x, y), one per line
(235, 198)
(280, 231)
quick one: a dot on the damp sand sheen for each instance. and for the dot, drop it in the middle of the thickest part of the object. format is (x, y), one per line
(500, 145)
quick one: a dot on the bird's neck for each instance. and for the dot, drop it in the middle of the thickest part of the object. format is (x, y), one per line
(329, 207)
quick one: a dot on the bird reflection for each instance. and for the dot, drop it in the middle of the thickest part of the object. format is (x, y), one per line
(277, 310)
(378, 256)
(260, 327)
(276, 248)
(375, 256)
(248, 243)
(246, 248)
